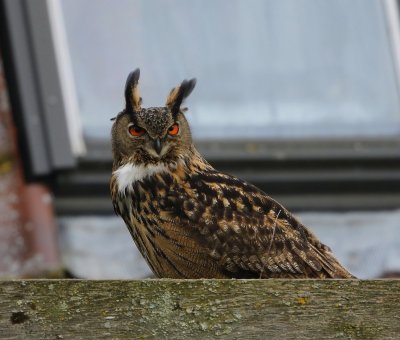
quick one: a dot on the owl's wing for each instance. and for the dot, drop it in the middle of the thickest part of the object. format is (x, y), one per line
(248, 233)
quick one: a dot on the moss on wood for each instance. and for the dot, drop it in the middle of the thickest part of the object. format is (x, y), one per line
(301, 309)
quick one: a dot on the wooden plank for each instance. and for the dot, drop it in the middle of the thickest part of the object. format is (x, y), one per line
(178, 309)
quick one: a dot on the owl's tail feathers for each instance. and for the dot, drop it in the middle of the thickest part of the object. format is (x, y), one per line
(331, 266)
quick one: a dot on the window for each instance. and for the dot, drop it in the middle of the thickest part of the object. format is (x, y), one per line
(266, 69)
(299, 97)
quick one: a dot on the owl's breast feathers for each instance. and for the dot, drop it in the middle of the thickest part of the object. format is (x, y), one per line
(191, 221)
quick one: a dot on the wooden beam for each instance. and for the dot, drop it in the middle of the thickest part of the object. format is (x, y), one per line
(177, 309)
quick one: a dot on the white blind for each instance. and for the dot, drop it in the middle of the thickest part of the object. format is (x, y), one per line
(265, 68)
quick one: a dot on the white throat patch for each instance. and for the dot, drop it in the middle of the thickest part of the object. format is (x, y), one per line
(130, 173)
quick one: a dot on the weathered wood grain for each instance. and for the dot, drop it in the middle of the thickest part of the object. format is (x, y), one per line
(178, 309)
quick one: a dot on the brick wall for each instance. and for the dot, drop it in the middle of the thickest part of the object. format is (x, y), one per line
(28, 244)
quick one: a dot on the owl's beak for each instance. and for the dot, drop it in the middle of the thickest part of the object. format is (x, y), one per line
(157, 145)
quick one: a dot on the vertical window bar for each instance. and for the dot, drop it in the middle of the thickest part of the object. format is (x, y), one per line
(54, 115)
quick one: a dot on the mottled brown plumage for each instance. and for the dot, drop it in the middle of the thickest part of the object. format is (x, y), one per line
(191, 221)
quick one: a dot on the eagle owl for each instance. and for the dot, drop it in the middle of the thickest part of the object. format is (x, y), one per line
(192, 221)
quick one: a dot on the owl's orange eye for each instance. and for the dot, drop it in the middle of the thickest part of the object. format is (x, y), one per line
(136, 131)
(173, 130)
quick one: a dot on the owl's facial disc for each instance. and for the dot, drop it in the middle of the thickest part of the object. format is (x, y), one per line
(155, 135)
(156, 129)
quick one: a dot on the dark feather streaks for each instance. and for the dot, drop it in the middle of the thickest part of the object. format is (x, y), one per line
(238, 229)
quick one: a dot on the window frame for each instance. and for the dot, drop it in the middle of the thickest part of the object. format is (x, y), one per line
(37, 89)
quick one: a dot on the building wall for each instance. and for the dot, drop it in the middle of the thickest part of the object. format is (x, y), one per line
(27, 225)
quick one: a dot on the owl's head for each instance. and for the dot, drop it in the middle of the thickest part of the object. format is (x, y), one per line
(151, 135)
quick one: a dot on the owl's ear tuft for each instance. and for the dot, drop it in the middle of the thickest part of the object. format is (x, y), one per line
(178, 95)
(133, 100)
